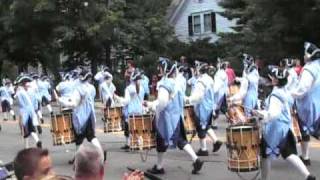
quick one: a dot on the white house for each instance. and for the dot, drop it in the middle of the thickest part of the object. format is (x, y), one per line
(197, 19)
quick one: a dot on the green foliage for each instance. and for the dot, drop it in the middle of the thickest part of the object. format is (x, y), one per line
(271, 29)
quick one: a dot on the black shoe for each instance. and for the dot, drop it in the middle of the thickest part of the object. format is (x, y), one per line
(42, 121)
(71, 161)
(51, 114)
(311, 177)
(39, 144)
(39, 128)
(14, 117)
(155, 170)
(306, 162)
(197, 166)
(217, 146)
(125, 147)
(214, 127)
(202, 153)
(5, 119)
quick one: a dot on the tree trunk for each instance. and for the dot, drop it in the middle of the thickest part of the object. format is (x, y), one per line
(108, 52)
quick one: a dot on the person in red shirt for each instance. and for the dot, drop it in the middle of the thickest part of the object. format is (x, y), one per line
(230, 73)
(298, 67)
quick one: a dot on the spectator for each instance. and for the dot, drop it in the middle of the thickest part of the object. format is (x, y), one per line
(230, 73)
(88, 163)
(130, 69)
(298, 67)
(32, 163)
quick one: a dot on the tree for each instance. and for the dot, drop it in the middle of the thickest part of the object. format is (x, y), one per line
(271, 29)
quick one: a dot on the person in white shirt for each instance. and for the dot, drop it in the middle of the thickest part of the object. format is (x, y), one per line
(277, 137)
(307, 98)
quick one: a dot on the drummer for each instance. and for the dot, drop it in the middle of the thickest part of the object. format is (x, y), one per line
(202, 98)
(220, 89)
(28, 115)
(277, 137)
(289, 65)
(307, 98)
(83, 116)
(6, 93)
(65, 89)
(169, 121)
(248, 93)
(107, 89)
(132, 102)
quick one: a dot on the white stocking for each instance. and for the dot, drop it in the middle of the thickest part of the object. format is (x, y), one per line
(298, 164)
(265, 168)
(160, 160)
(212, 135)
(203, 144)
(305, 149)
(191, 152)
(35, 137)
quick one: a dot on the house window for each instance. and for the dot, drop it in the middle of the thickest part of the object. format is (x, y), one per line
(202, 23)
(196, 24)
(207, 22)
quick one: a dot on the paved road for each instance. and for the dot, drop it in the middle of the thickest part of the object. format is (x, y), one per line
(177, 163)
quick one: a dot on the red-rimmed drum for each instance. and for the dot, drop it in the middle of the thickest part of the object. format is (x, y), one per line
(62, 129)
(243, 148)
(142, 134)
(112, 119)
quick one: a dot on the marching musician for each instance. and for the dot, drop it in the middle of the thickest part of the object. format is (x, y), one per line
(44, 88)
(220, 87)
(145, 84)
(293, 76)
(202, 99)
(277, 137)
(106, 87)
(248, 93)
(132, 102)
(168, 118)
(65, 89)
(35, 97)
(307, 98)
(6, 94)
(28, 115)
(83, 115)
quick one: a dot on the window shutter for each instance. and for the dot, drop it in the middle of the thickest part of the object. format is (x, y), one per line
(213, 22)
(190, 25)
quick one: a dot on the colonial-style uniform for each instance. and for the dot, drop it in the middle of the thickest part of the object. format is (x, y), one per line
(307, 97)
(169, 120)
(277, 137)
(27, 113)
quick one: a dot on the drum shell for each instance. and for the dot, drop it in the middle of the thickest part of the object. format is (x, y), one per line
(142, 133)
(62, 129)
(189, 122)
(243, 147)
(112, 119)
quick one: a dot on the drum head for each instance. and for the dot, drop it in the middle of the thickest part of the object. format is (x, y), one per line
(238, 128)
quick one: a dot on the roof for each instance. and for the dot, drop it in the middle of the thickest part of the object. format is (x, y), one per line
(174, 9)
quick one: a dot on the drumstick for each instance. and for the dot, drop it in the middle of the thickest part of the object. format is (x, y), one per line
(146, 174)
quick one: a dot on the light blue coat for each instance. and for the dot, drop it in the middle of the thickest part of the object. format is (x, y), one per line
(276, 130)
(168, 119)
(308, 106)
(251, 98)
(43, 87)
(84, 112)
(6, 93)
(25, 105)
(134, 107)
